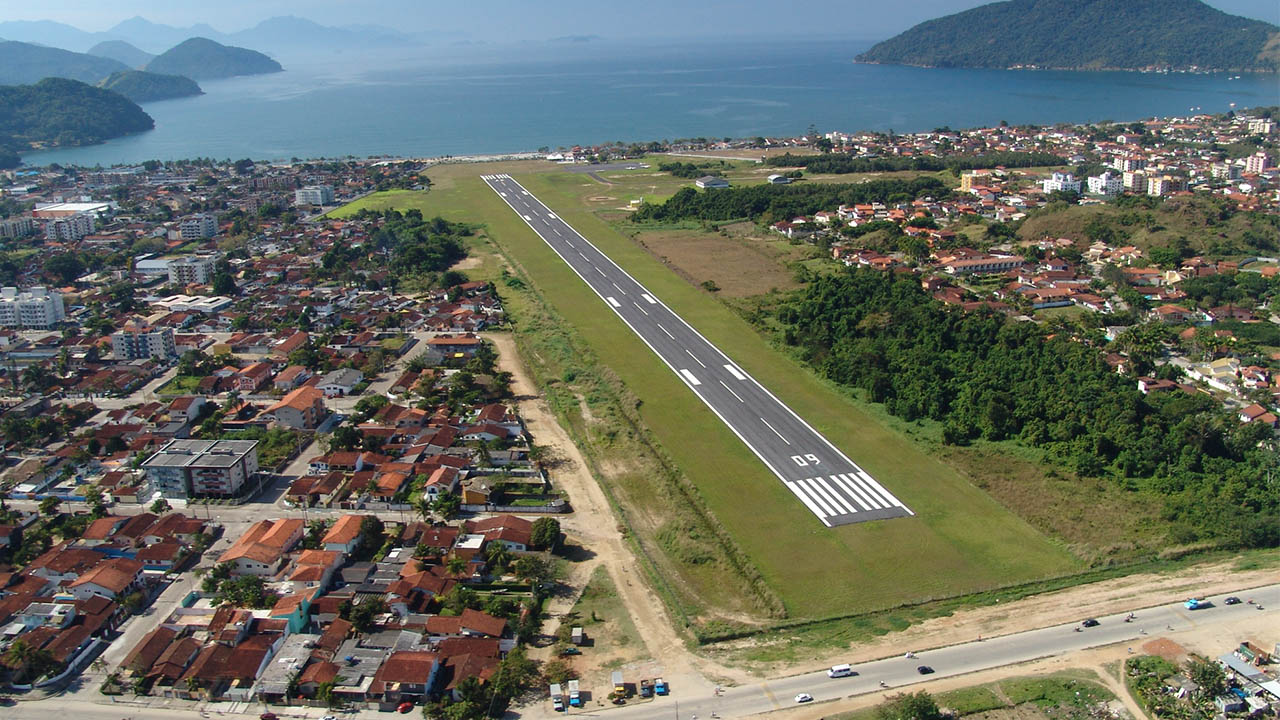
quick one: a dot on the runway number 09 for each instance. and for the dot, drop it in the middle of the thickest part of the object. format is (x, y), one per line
(806, 460)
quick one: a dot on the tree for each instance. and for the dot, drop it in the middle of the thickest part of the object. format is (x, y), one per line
(49, 506)
(345, 437)
(1209, 676)
(224, 284)
(93, 498)
(498, 556)
(325, 694)
(64, 266)
(160, 506)
(456, 565)
(533, 569)
(447, 505)
(545, 533)
(909, 706)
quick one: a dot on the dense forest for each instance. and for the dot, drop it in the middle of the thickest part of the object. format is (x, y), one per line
(770, 203)
(986, 377)
(842, 164)
(408, 246)
(140, 86)
(1087, 34)
(66, 112)
(204, 59)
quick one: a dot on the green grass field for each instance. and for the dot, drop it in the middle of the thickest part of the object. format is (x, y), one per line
(960, 541)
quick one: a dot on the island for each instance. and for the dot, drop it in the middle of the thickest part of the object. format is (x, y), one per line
(22, 63)
(58, 111)
(121, 51)
(141, 86)
(1185, 35)
(203, 59)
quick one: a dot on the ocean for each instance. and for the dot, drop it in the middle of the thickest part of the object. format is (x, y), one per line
(402, 105)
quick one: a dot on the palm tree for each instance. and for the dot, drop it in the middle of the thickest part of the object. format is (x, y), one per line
(193, 685)
(19, 653)
(456, 565)
(325, 694)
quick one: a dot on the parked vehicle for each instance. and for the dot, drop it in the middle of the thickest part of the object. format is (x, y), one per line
(404, 707)
(839, 671)
(804, 698)
(1091, 622)
(557, 698)
(646, 688)
(575, 699)
(660, 687)
(619, 687)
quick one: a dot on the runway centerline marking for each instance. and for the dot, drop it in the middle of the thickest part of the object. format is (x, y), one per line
(646, 312)
(775, 431)
(726, 387)
(668, 332)
(695, 358)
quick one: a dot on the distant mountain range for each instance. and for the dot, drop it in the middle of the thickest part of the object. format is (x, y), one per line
(1087, 35)
(23, 63)
(274, 35)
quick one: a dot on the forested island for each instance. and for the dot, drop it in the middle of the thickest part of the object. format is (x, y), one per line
(204, 59)
(23, 63)
(141, 86)
(1087, 35)
(57, 111)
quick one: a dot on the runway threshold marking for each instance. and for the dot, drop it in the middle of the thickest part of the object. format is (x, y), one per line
(613, 302)
(648, 299)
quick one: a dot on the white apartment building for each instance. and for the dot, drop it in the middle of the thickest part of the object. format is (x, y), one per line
(202, 468)
(38, 308)
(1108, 183)
(1135, 180)
(1163, 185)
(70, 227)
(136, 345)
(313, 195)
(1060, 181)
(1256, 163)
(198, 227)
(193, 269)
(1226, 170)
(1262, 126)
(1129, 163)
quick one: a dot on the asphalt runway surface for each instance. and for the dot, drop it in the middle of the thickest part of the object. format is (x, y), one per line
(824, 479)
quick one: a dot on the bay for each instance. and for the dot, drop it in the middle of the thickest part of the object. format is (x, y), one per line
(460, 104)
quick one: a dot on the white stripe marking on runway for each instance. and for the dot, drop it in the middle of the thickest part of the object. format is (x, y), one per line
(668, 332)
(695, 358)
(835, 494)
(646, 312)
(833, 498)
(650, 300)
(860, 479)
(526, 217)
(601, 272)
(817, 497)
(726, 387)
(880, 488)
(624, 292)
(690, 377)
(584, 257)
(843, 481)
(613, 302)
(775, 432)
(804, 498)
(735, 372)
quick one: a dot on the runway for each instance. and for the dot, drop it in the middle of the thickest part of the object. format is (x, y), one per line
(822, 478)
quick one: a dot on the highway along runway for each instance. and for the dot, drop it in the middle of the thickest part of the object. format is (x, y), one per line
(828, 483)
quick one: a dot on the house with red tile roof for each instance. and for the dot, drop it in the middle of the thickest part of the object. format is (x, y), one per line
(110, 579)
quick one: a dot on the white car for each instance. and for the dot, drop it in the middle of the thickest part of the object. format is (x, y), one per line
(804, 698)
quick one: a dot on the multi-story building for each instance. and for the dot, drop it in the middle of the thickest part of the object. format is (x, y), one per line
(38, 308)
(17, 227)
(202, 468)
(1129, 163)
(313, 195)
(1226, 170)
(1262, 126)
(191, 270)
(1163, 185)
(70, 227)
(149, 343)
(1108, 183)
(1256, 163)
(198, 227)
(1135, 180)
(1061, 182)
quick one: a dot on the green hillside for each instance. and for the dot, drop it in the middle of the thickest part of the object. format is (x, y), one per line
(23, 63)
(57, 111)
(121, 51)
(1087, 34)
(204, 59)
(141, 86)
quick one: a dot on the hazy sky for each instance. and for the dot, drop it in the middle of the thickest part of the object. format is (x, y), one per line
(501, 20)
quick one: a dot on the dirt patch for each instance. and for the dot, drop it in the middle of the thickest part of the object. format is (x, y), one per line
(1167, 649)
(737, 268)
(468, 263)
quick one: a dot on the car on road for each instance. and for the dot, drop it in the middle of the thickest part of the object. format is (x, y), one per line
(404, 707)
(924, 670)
(328, 717)
(267, 716)
(804, 698)
(1091, 622)
(571, 650)
(1233, 600)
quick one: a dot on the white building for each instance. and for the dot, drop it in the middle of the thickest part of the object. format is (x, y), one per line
(1158, 185)
(1254, 164)
(1108, 183)
(711, 181)
(153, 343)
(1262, 126)
(313, 195)
(37, 308)
(69, 227)
(200, 468)
(198, 227)
(1130, 163)
(1061, 182)
(193, 269)
(1226, 170)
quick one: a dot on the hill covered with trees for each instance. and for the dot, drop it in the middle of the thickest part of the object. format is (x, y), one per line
(141, 86)
(1087, 34)
(23, 63)
(771, 203)
(121, 51)
(204, 59)
(58, 111)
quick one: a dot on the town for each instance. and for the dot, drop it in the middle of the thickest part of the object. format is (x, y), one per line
(260, 455)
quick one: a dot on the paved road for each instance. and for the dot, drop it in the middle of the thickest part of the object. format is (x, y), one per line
(955, 660)
(829, 484)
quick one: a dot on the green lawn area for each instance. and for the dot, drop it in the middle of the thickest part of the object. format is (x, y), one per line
(960, 540)
(180, 385)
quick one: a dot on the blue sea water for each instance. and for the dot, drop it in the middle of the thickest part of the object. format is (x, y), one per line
(422, 107)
